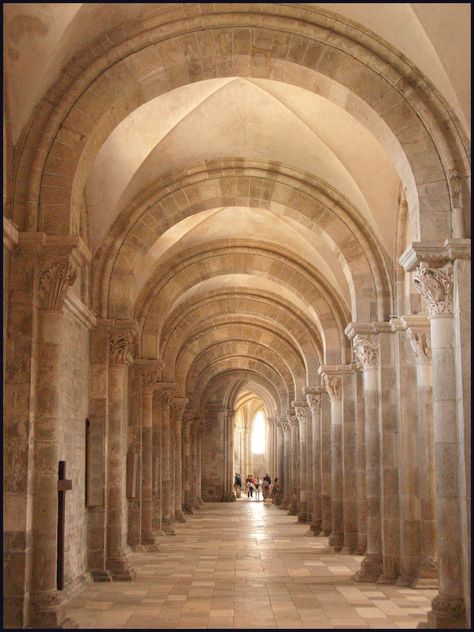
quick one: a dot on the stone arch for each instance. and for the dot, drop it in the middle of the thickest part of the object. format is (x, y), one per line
(180, 276)
(237, 335)
(306, 199)
(244, 363)
(237, 349)
(230, 382)
(233, 309)
(300, 46)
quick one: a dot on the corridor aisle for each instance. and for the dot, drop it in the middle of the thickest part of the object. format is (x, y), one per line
(246, 565)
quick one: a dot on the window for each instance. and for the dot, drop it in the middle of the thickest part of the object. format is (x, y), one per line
(258, 434)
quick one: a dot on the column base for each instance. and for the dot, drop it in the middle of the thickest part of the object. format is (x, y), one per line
(120, 567)
(326, 531)
(47, 611)
(101, 575)
(350, 543)
(427, 576)
(168, 529)
(179, 516)
(228, 497)
(138, 548)
(149, 543)
(284, 504)
(188, 509)
(446, 613)
(370, 571)
(200, 501)
(315, 527)
(292, 508)
(302, 516)
(336, 541)
(405, 581)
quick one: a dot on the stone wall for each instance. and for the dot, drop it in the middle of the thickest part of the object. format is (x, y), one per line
(74, 404)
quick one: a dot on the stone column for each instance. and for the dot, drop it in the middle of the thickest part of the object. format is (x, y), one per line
(151, 377)
(228, 422)
(309, 464)
(300, 410)
(326, 503)
(293, 460)
(360, 463)
(349, 464)
(313, 397)
(179, 404)
(286, 490)
(389, 454)
(366, 349)
(418, 334)
(187, 423)
(333, 383)
(280, 447)
(118, 553)
(167, 498)
(436, 287)
(194, 466)
(56, 276)
(199, 465)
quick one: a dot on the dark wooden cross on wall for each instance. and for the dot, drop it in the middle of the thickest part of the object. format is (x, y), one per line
(64, 485)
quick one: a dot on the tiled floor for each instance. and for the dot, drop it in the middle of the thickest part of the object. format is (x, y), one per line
(246, 565)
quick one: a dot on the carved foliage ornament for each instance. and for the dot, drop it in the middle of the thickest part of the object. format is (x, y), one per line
(420, 343)
(120, 347)
(314, 402)
(166, 399)
(152, 378)
(436, 287)
(292, 420)
(366, 350)
(300, 414)
(55, 279)
(333, 386)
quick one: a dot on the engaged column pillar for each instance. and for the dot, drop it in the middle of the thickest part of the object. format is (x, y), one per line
(167, 507)
(418, 334)
(293, 506)
(150, 378)
(118, 561)
(300, 410)
(286, 490)
(366, 350)
(436, 287)
(179, 404)
(187, 469)
(56, 276)
(313, 397)
(333, 383)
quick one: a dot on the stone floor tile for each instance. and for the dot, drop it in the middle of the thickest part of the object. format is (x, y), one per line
(250, 566)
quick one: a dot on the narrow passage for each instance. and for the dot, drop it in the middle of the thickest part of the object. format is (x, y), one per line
(246, 565)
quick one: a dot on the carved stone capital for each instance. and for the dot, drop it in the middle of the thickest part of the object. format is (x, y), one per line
(420, 341)
(314, 402)
(166, 399)
(179, 406)
(455, 188)
(292, 420)
(120, 348)
(333, 385)
(300, 411)
(436, 287)
(366, 350)
(151, 378)
(56, 277)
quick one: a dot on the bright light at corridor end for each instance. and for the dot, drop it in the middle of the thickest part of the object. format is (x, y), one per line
(258, 434)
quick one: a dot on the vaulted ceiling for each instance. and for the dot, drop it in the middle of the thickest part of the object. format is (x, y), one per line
(242, 220)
